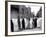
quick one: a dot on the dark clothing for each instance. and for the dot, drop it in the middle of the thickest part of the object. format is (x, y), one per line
(35, 22)
(12, 26)
(19, 23)
(23, 24)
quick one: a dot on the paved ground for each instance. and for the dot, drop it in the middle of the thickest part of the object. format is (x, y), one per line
(27, 30)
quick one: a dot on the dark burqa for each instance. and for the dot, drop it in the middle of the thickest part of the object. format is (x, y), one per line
(23, 24)
(35, 22)
(12, 26)
(19, 23)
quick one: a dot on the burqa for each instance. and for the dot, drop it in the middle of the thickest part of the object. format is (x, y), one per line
(12, 26)
(35, 22)
(23, 24)
(19, 23)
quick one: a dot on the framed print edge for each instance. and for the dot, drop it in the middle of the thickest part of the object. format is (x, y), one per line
(6, 18)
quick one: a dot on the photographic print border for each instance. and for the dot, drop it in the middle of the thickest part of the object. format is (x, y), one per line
(6, 18)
